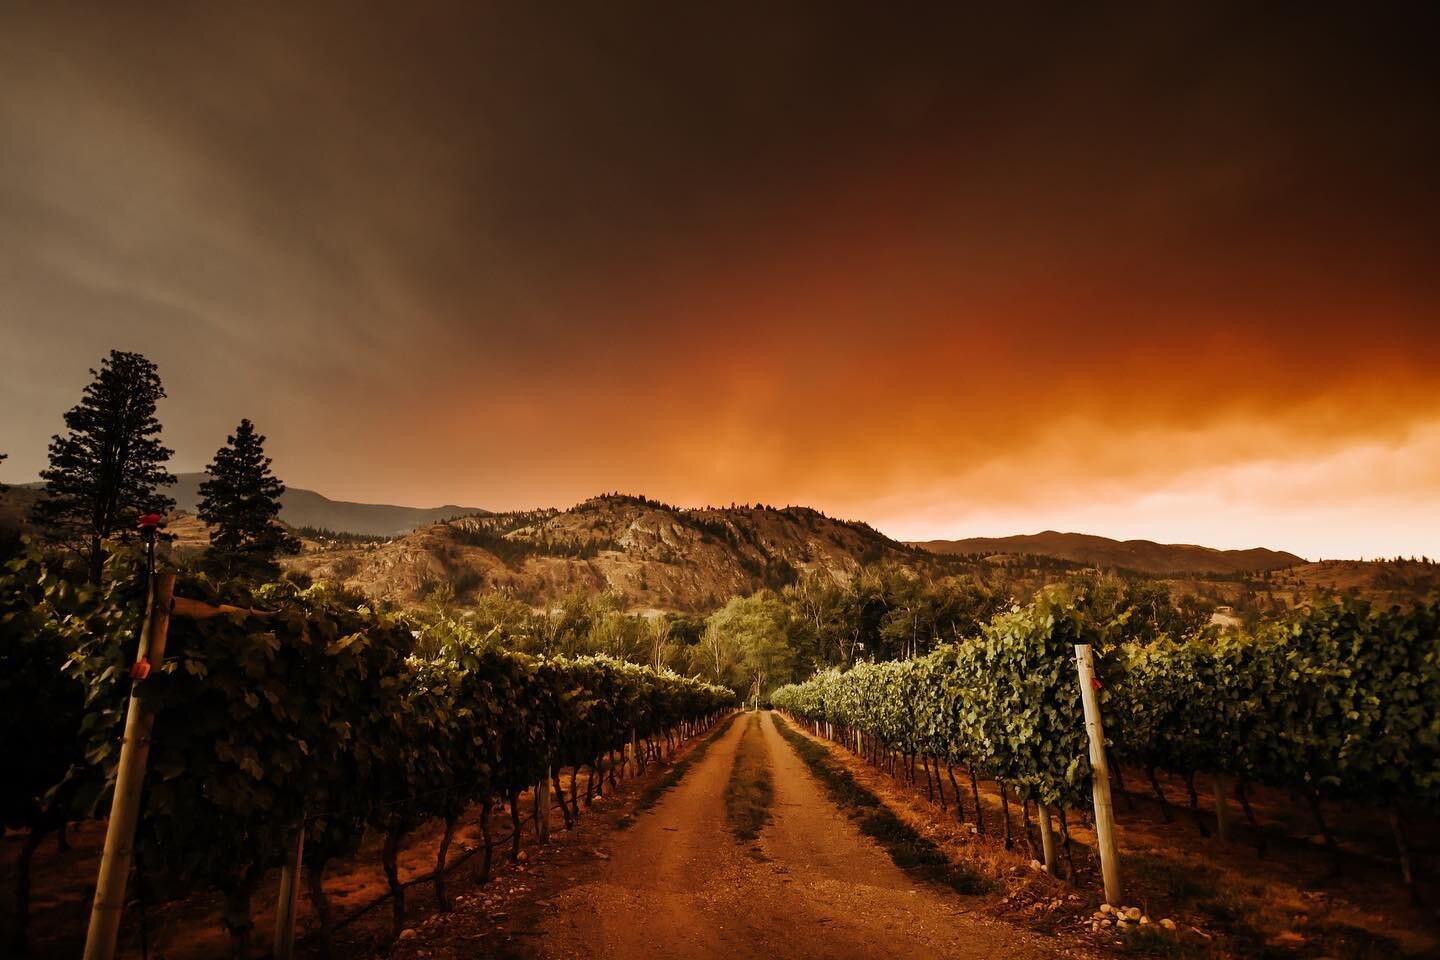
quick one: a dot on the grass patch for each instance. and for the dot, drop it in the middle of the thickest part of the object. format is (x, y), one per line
(750, 792)
(1155, 941)
(1244, 916)
(1345, 942)
(911, 852)
(1238, 918)
(675, 774)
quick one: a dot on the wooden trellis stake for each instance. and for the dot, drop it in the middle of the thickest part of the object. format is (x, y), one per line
(1047, 838)
(1104, 810)
(289, 895)
(119, 848)
(1222, 808)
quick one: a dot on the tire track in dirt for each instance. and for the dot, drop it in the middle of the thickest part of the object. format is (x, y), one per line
(680, 886)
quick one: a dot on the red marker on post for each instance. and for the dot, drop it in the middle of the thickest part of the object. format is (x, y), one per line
(148, 524)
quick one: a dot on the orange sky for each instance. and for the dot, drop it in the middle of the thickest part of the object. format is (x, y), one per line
(1157, 274)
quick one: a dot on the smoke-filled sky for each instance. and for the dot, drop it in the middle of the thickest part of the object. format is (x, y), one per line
(1167, 272)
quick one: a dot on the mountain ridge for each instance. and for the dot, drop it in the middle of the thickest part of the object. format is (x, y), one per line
(658, 556)
(1141, 556)
(300, 507)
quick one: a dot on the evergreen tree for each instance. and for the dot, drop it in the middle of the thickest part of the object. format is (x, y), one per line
(107, 470)
(240, 501)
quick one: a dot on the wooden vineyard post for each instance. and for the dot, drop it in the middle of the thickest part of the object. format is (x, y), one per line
(1222, 808)
(1047, 838)
(1397, 829)
(129, 779)
(289, 895)
(1104, 811)
(542, 808)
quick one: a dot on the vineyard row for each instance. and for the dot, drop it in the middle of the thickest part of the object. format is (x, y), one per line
(279, 710)
(1337, 701)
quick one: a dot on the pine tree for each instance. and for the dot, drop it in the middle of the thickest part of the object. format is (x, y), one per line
(107, 470)
(241, 502)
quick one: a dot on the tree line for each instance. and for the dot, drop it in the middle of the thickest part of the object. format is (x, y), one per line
(756, 642)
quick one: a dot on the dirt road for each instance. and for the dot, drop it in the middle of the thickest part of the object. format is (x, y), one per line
(681, 886)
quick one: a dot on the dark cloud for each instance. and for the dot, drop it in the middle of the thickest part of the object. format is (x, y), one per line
(491, 233)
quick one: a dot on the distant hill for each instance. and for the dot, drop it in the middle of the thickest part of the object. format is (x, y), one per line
(298, 508)
(15, 504)
(1142, 556)
(655, 555)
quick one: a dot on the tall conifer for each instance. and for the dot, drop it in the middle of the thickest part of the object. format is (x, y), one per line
(107, 470)
(240, 500)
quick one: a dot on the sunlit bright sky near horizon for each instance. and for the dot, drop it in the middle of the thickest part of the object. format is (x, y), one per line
(1160, 273)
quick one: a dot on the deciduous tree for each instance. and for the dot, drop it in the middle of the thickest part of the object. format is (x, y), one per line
(750, 633)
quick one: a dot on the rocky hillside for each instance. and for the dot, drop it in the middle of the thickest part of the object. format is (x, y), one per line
(1386, 582)
(656, 555)
(1141, 556)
